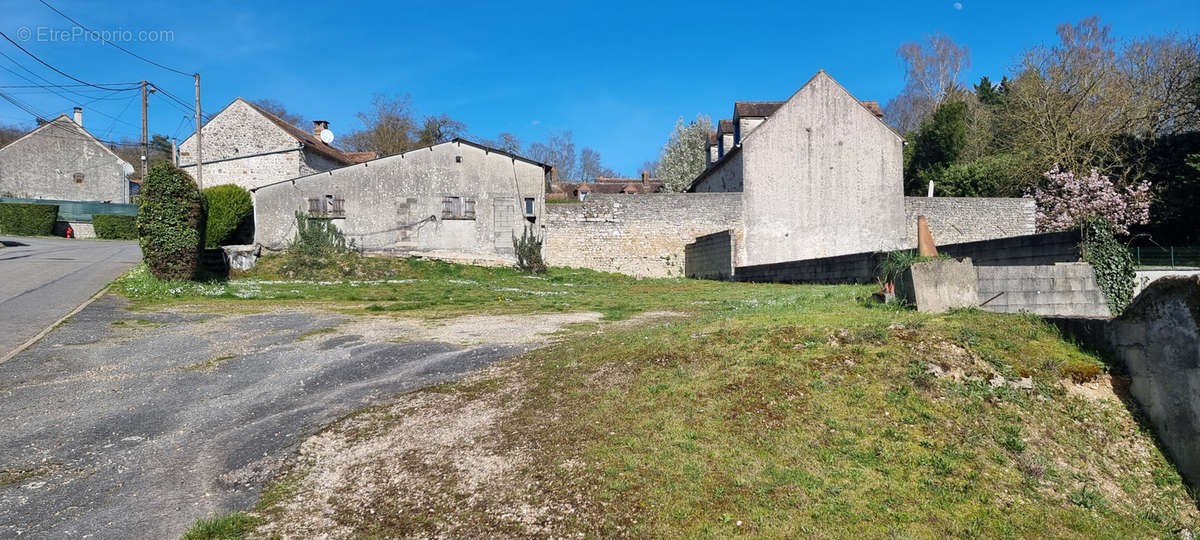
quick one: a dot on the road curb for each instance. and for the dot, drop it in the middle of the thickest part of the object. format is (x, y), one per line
(38, 336)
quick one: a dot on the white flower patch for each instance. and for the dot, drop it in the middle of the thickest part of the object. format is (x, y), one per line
(535, 293)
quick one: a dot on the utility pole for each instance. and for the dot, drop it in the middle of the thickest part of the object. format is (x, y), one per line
(174, 153)
(199, 140)
(145, 142)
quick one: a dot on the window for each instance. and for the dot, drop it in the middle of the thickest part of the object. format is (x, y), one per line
(529, 206)
(328, 206)
(78, 177)
(458, 208)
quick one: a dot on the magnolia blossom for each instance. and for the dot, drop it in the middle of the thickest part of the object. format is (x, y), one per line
(1066, 199)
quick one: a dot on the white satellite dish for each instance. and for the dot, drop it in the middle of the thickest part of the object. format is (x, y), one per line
(326, 136)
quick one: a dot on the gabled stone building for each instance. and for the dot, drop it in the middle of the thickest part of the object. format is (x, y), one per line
(457, 200)
(61, 160)
(820, 175)
(250, 147)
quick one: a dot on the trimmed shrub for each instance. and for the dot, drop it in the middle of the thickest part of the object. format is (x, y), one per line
(228, 208)
(28, 219)
(1115, 271)
(170, 222)
(115, 226)
(529, 252)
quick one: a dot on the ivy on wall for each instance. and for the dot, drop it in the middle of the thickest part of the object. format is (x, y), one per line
(1115, 271)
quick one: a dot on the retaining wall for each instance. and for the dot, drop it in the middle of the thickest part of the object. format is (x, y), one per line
(1158, 341)
(1065, 289)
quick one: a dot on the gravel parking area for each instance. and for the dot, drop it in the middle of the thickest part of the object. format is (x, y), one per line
(134, 423)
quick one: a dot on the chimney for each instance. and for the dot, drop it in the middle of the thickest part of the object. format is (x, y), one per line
(645, 177)
(79, 116)
(319, 126)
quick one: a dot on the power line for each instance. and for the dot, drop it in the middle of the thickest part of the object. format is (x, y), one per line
(122, 49)
(56, 70)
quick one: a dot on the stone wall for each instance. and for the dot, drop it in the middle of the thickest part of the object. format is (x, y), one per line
(954, 220)
(1064, 290)
(1158, 341)
(641, 235)
(711, 256)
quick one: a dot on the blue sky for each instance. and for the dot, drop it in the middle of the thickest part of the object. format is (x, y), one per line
(617, 74)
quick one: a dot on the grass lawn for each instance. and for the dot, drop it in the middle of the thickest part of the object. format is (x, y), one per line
(770, 410)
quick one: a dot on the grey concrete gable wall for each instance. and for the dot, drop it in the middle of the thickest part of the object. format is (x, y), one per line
(42, 165)
(395, 203)
(822, 177)
(239, 130)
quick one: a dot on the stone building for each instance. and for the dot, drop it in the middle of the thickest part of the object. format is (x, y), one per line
(457, 200)
(820, 175)
(61, 160)
(250, 147)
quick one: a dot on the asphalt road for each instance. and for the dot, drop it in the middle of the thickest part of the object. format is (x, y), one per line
(42, 279)
(123, 424)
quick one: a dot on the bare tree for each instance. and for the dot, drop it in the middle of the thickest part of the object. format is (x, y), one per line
(932, 68)
(559, 151)
(10, 133)
(650, 166)
(388, 128)
(506, 141)
(591, 166)
(439, 129)
(278, 109)
(932, 71)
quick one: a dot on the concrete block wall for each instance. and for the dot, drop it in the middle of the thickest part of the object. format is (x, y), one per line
(710, 257)
(954, 220)
(641, 235)
(1065, 289)
(1029, 250)
(853, 268)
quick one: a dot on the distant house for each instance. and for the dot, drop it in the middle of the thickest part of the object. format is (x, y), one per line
(602, 184)
(457, 200)
(250, 147)
(61, 160)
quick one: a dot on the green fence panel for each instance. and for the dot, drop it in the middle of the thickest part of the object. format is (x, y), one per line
(80, 211)
(1166, 256)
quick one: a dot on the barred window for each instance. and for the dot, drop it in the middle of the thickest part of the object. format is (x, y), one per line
(78, 177)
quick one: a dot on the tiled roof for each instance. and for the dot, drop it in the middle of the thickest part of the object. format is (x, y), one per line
(712, 138)
(873, 106)
(755, 108)
(725, 126)
(311, 142)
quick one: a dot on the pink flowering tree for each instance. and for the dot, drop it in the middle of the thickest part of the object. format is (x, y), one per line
(1065, 200)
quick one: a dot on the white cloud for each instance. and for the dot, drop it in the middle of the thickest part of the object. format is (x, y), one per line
(958, 6)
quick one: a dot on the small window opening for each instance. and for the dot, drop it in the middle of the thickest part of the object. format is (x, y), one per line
(78, 177)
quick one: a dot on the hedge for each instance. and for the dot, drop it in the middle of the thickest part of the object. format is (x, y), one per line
(28, 219)
(115, 226)
(228, 208)
(170, 223)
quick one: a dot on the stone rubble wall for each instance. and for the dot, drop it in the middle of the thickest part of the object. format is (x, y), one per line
(641, 235)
